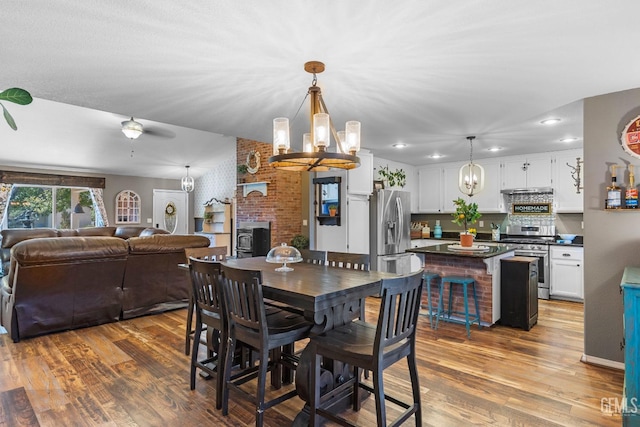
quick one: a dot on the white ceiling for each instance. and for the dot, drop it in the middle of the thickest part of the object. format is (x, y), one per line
(427, 73)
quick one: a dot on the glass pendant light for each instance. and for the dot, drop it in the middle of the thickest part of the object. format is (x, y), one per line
(471, 176)
(187, 182)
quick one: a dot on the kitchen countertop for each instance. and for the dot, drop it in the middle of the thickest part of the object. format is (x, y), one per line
(443, 249)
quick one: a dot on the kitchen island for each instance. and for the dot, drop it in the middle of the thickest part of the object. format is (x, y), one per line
(483, 264)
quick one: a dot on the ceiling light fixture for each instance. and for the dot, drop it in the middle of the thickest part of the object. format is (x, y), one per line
(471, 176)
(494, 149)
(436, 156)
(550, 121)
(571, 139)
(187, 182)
(132, 129)
(315, 156)
(399, 145)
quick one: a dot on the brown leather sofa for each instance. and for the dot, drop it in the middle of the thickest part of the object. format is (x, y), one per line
(73, 281)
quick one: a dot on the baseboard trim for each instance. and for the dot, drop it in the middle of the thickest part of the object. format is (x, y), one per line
(592, 360)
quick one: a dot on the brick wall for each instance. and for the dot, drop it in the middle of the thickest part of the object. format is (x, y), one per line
(283, 204)
(460, 266)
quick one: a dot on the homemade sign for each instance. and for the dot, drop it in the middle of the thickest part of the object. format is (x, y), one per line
(531, 208)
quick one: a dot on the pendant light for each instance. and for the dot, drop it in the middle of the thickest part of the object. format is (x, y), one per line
(187, 182)
(471, 176)
(315, 154)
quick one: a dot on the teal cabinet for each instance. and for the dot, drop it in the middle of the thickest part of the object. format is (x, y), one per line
(631, 298)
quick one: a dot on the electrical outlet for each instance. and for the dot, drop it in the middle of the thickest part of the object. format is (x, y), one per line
(481, 224)
(304, 223)
(149, 220)
(582, 224)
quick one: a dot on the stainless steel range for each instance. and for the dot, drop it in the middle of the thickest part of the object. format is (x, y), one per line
(533, 241)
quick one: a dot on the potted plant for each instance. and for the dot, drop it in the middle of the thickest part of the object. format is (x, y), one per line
(242, 170)
(332, 210)
(466, 214)
(208, 217)
(392, 179)
(300, 241)
(17, 96)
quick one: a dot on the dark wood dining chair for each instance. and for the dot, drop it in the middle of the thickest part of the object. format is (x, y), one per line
(206, 290)
(372, 347)
(347, 260)
(313, 257)
(272, 337)
(354, 262)
(217, 253)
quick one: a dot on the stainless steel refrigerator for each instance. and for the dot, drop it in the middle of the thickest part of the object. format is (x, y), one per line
(390, 222)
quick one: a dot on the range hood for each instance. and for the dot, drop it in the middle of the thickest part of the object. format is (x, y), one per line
(533, 190)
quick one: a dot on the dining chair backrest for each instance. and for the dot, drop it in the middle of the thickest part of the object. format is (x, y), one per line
(216, 253)
(398, 312)
(206, 287)
(313, 257)
(245, 305)
(350, 261)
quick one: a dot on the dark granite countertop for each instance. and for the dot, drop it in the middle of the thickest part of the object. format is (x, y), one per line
(443, 249)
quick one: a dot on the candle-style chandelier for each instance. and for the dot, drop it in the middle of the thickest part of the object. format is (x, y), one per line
(315, 155)
(471, 176)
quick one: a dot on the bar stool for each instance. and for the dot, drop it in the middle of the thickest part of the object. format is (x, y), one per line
(428, 277)
(465, 282)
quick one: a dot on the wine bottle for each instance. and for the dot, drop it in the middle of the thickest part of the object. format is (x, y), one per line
(631, 195)
(614, 192)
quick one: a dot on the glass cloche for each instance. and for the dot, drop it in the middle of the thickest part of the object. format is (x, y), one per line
(284, 254)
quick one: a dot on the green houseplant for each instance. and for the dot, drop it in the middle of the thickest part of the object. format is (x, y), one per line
(393, 178)
(300, 241)
(242, 170)
(333, 209)
(465, 214)
(208, 217)
(17, 96)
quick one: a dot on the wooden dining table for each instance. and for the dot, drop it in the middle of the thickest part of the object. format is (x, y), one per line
(328, 297)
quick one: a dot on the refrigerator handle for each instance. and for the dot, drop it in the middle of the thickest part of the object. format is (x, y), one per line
(400, 221)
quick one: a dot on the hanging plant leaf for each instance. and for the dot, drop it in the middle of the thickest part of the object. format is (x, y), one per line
(16, 95)
(9, 119)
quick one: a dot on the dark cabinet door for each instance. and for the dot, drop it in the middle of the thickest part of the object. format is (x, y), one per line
(519, 292)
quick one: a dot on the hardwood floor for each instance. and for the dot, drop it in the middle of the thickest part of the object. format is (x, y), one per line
(134, 373)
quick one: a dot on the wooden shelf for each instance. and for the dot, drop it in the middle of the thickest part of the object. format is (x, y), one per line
(328, 220)
(248, 187)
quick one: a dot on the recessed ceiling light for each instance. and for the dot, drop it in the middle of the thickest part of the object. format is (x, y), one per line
(436, 156)
(550, 121)
(571, 139)
(494, 149)
(399, 145)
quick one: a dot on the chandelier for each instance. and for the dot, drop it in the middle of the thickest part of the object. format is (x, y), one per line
(471, 176)
(187, 182)
(315, 155)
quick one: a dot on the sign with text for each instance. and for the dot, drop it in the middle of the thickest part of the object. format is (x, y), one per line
(531, 208)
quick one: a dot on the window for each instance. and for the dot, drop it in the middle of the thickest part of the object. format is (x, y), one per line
(49, 207)
(127, 207)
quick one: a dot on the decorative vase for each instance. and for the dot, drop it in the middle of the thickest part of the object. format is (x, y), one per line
(466, 240)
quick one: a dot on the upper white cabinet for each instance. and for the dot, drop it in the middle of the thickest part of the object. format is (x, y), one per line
(430, 189)
(566, 198)
(438, 184)
(360, 179)
(527, 171)
(490, 199)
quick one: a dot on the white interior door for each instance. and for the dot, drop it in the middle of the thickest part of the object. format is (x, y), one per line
(171, 210)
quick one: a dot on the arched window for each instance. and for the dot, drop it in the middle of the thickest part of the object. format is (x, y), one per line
(127, 207)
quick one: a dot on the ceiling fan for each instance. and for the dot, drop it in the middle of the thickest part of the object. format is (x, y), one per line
(132, 129)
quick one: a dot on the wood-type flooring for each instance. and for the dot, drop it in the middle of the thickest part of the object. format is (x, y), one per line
(134, 373)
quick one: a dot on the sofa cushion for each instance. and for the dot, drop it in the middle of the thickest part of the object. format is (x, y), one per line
(128, 231)
(166, 243)
(96, 231)
(67, 233)
(55, 250)
(151, 231)
(16, 235)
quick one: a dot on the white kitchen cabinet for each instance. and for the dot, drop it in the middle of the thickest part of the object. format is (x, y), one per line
(565, 198)
(358, 224)
(450, 189)
(490, 199)
(360, 179)
(527, 171)
(430, 188)
(567, 277)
